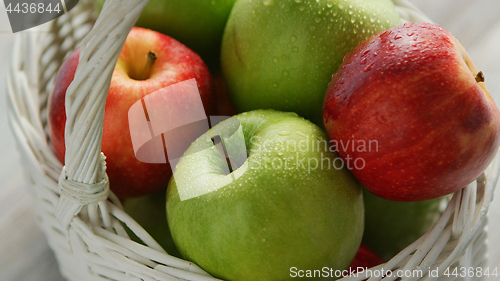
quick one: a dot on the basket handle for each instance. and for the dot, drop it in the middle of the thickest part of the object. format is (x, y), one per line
(83, 180)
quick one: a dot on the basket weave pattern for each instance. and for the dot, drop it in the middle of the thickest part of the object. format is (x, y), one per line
(85, 230)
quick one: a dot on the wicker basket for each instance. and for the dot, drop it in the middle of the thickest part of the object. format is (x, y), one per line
(85, 230)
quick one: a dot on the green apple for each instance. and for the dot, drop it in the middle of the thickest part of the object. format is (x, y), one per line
(288, 206)
(391, 226)
(198, 24)
(149, 212)
(281, 54)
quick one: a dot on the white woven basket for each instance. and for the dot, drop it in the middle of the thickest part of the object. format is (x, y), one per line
(84, 229)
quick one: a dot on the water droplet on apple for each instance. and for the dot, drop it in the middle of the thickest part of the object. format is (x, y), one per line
(276, 59)
(286, 73)
(263, 240)
(293, 38)
(368, 67)
(302, 8)
(350, 12)
(312, 27)
(268, 2)
(317, 19)
(295, 49)
(363, 61)
(329, 4)
(275, 85)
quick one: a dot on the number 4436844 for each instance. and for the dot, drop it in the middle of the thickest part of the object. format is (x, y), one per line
(33, 8)
(471, 272)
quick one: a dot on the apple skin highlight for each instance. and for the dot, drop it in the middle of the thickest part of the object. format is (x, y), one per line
(412, 89)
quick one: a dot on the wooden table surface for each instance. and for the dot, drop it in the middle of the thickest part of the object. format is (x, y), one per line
(24, 253)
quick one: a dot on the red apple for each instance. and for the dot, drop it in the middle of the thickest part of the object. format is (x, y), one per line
(410, 113)
(133, 78)
(365, 258)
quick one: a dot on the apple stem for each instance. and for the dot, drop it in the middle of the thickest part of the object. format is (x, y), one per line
(217, 141)
(480, 77)
(146, 72)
